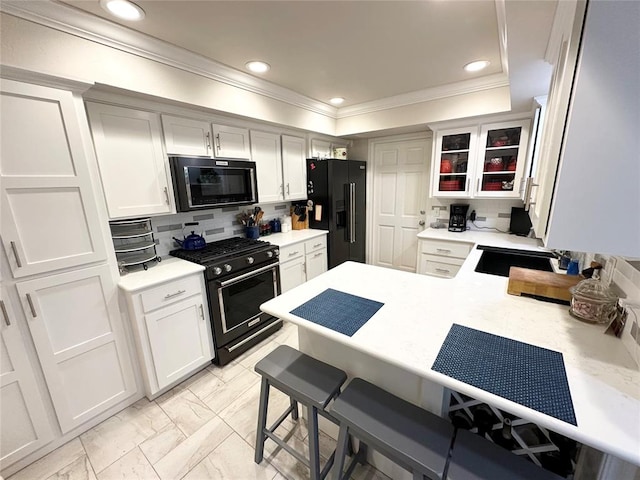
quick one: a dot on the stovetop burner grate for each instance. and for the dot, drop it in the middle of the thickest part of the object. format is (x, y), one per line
(220, 249)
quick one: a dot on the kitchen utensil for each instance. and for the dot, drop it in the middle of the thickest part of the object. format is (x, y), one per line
(592, 301)
(192, 241)
(550, 285)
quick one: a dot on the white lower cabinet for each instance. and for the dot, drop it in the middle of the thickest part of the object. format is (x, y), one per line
(302, 261)
(441, 258)
(24, 426)
(77, 332)
(172, 328)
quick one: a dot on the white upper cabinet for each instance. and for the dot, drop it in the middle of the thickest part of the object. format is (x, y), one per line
(455, 153)
(231, 142)
(483, 161)
(77, 332)
(502, 159)
(24, 426)
(184, 136)
(294, 168)
(266, 152)
(133, 166)
(47, 219)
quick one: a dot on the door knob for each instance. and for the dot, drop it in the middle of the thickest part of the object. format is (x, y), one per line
(421, 223)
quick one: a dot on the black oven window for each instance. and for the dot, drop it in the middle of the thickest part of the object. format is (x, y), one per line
(242, 300)
(219, 185)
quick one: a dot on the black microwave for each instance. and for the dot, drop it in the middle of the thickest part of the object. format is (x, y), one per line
(200, 182)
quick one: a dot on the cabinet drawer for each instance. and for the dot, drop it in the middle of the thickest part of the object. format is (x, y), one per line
(314, 244)
(439, 267)
(171, 292)
(291, 251)
(446, 249)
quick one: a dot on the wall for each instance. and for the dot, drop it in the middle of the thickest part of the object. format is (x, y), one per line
(215, 224)
(490, 213)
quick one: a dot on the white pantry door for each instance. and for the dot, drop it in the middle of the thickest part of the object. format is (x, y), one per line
(401, 182)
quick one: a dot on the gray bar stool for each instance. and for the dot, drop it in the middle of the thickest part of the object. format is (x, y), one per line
(410, 436)
(307, 381)
(475, 458)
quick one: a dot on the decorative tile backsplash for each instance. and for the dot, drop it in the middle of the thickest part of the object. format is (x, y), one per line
(490, 213)
(215, 224)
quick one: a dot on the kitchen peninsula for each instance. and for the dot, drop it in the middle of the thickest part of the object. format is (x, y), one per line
(398, 345)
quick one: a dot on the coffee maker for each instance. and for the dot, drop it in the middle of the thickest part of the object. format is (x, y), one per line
(458, 217)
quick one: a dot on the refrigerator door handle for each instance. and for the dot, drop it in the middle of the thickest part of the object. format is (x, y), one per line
(352, 212)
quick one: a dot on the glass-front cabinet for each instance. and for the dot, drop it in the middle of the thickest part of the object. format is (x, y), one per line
(454, 166)
(480, 161)
(501, 159)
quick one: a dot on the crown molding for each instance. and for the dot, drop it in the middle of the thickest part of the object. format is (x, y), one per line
(459, 88)
(28, 76)
(96, 29)
(84, 25)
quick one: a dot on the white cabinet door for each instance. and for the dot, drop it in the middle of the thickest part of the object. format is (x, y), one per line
(453, 166)
(183, 136)
(77, 330)
(47, 219)
(316, 263)
(265, 151)
(501, 160)
(24, 426)
(178, 339)
(294, 168)
(133, 167)
(231, 142)
(292, 274)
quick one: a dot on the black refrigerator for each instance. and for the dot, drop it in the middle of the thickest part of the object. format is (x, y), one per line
(338, 191)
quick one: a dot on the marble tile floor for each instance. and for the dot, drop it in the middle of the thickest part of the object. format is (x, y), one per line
(203, 428)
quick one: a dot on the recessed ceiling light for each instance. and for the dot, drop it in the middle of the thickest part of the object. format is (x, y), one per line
(476, 66)
(257, 66)
(336, 100)
(123, 9)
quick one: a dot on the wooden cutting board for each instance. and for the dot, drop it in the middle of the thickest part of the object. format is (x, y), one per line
(542, 284)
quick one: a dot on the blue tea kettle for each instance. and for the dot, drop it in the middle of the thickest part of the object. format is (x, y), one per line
(193, 241)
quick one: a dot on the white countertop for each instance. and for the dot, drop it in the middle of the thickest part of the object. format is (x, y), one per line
(293, 236)
(419, 311)
(170, 268)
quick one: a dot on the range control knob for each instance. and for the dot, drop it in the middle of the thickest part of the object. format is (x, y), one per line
(227, 267)
(269, 254)
(276, 252)
(217, 270)
(250, 260)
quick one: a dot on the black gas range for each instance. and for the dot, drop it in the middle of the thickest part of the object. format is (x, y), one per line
(241, 274)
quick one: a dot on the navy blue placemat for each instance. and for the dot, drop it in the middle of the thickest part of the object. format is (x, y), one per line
(339, 311)
(531, 376)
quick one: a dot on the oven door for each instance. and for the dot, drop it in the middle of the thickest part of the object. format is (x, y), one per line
(238, 301)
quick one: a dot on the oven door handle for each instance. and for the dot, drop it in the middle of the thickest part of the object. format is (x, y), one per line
(252, 273)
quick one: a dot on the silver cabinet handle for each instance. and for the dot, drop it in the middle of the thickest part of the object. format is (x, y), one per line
(171, 295)
(33, 310)
(202, 311)
(443, 250)
(468, 180)
(166, 195)
(478, 185)
(288, 192)
(318, 255)
(218, 142)
(527, 193)
(291, 254)
(15, 254)
(317, 245)
(442, 270)
(5, 314)
(208, 136)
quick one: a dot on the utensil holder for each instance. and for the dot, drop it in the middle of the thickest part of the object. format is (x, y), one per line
(297, 224)
(252, 232)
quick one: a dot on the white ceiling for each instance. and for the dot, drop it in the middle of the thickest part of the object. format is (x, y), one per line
(361, 50)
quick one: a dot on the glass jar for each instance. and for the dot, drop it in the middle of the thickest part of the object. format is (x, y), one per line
(592, 301)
